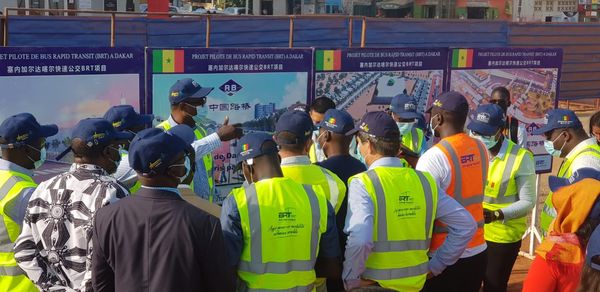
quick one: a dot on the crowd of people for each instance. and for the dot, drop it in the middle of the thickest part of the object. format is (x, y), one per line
(328, 203)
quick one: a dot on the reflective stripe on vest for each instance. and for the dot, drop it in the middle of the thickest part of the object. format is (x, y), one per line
(467, 184)
(6, 245)
(244, 287)
(334, 191)
(503, 197)
(458, 177)
(548, 211)
(413, 140)
(412, 265)
(256, 265)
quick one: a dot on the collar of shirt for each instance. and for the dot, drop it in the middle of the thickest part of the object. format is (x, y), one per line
(9, 166)
(296, 160)
(386, 161)
(580, 146)
(502, 150)
(173, 190)
(173, 123)
(89, 167)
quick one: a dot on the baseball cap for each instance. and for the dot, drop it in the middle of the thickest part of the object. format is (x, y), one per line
(23, 128)
(487, 119)
(337, 121)
(593, 249)
(404, 106)
(125, 117)
(187, 89)
(153, 150)
(296, 122)
(251, 146)
(558, 119)
(96, 132)
(451, 101)
(556, 182)
(378, 124)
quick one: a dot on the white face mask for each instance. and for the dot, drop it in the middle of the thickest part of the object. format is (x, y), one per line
(431, 127)
(38, 163)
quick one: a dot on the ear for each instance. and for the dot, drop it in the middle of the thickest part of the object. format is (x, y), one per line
(327, 136)
(106, 151)
(309, 143)
(568, 135)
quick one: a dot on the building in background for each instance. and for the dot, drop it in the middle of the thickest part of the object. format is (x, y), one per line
(464, 9)
(263, 110)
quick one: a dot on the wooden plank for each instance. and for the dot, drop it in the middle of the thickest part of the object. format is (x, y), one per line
(200, 203)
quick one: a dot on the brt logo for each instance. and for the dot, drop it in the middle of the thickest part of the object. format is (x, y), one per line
(230, 87)
(467, 158)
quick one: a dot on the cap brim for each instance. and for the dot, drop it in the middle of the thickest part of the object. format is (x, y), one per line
(48, 130)
(119, 136)
(556, 183)
(406, 115)
(542, 130)
(202, 93)
(353, 131)
(482, 129)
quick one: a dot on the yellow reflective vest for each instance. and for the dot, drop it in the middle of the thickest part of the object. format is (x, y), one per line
(282, 222)
(309, 174)
(12, 278)
(565, 171)
(206, 159)
(137, 184)
(501, 191)
(414, 140)
(405, 203)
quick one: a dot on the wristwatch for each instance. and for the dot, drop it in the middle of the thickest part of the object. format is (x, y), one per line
(496, 215)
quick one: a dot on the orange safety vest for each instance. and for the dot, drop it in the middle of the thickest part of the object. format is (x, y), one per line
(469, 165)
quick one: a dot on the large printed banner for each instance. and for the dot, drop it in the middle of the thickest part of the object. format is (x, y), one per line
(531, 75)
(361, 80)
(65, 85)
(251, 86)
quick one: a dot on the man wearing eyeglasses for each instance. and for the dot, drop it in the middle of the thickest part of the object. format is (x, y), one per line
(514, 130)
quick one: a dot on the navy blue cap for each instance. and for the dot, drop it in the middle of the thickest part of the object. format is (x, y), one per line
(98, 131)
(124, 117)
(404, 106)
(187, 89)
(556, 182)
(24, 128)
(377, 124)
(593, 249)
(296, 122)
(184, 132)
(487, 120)
(451, 101)
(558, 119)
(337, 121)
(153, 150)
(251, 145)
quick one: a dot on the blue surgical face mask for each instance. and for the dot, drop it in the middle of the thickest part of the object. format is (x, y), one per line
(38, 163)
(549, 145)
(405, 127)
(488, 141)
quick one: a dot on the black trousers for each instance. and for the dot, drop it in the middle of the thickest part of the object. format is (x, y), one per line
(501, 258)
(465, 275)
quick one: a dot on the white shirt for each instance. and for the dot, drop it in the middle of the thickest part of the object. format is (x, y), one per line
(435, 162)
(55, 245)
(583, 161)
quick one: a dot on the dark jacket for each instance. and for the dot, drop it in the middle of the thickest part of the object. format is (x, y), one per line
(156, 241)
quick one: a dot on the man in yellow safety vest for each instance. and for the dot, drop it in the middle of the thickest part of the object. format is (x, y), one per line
(510, 194)
(23, 143)
(280, 234)
(566, 138)
(403, 109)
(188, 99)
(391, 210)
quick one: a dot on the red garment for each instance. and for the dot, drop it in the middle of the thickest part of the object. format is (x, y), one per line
(552, 276)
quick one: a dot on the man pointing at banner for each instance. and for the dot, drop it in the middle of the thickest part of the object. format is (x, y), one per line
(187, 97)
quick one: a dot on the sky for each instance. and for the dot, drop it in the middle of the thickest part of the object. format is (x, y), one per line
(66, 99)
(282, 88)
